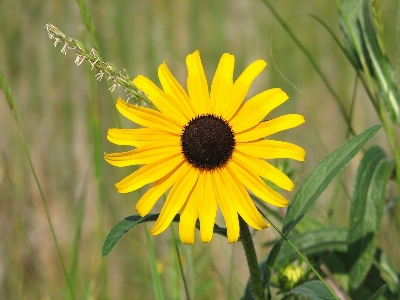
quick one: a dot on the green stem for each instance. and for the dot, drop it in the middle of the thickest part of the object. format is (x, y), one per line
(303, 258)
(390, 131)
(178, 256)
(10, 100)
(313, 63)
(252, 262)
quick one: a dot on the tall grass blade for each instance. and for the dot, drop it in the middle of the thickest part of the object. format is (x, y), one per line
(310, 58)
(379, 293)
(361, 42)
(157, 286)
(11, 103)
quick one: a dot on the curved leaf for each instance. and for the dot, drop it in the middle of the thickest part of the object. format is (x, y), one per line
(366, 211)
(127, 223)
(321, 176)
(313, 290)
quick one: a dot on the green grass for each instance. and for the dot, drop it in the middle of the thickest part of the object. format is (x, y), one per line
(57, 206)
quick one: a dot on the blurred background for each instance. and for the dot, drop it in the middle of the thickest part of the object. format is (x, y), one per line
(64, 114)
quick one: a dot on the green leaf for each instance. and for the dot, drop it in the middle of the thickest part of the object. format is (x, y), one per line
(379, 293)
(366, 211)
(387, 271)
(313, 290)
(127, 223)
(123, 227)
(7, 92)
(321, 176)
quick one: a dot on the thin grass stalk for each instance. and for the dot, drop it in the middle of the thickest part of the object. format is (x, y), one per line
(105, 68)
(23, 233)
(11, 104)
(157, 286)
(303, 258)
(231, 272)
(178, 256)
(313, 63)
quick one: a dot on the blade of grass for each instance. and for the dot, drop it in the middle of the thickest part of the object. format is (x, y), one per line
(11, 103)
(157, 286)
(178, 256)
(80, 212)
(313, 63)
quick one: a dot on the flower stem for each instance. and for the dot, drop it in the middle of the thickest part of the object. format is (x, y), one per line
(252, 262)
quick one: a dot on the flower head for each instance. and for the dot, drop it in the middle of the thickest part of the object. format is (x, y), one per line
(291, 276)
(208, 147)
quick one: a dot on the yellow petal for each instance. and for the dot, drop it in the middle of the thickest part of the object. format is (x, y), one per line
(222, 83)
(175, 200)
(224, 202)
(173, 88)
(207, 206)
(165, 103)
(149, 173)
(197, 84)
(270, 127)
(239, 90)
(270, 149)
(140, 136)
(148, 117)
(189, 214)
(255, 109)
(253, 183)
(242, 202)
(264, 169)
(143, 155)
(160, 187)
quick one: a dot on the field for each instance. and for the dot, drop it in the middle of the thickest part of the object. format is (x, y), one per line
(57, 194)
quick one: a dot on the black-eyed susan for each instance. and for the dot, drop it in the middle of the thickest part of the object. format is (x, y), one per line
(208, 147)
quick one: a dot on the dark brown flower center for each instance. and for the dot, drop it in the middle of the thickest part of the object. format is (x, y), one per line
(207, 142)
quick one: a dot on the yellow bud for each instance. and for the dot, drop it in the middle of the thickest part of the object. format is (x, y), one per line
(291, 277)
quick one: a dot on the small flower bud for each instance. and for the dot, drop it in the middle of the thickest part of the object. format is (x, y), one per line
(290, 277)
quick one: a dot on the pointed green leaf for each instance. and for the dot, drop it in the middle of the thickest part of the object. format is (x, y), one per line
(313, 290)
(366, 211)
(123, 227)
(127, 223)
(321, 176)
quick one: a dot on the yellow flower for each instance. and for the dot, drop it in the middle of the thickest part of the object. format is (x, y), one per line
(208, 146)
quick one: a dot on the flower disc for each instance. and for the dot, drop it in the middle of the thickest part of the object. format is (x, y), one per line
(207, 142)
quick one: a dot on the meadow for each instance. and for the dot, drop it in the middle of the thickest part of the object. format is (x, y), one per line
(57, 196)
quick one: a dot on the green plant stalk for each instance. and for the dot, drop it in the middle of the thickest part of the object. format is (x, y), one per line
(157, 286)
(368, 84)
(252, 262)
(97, 153)
(313, 63)
(92, 56)
(303, 258)
(11, 104)
(390, 131)
(178, 256)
